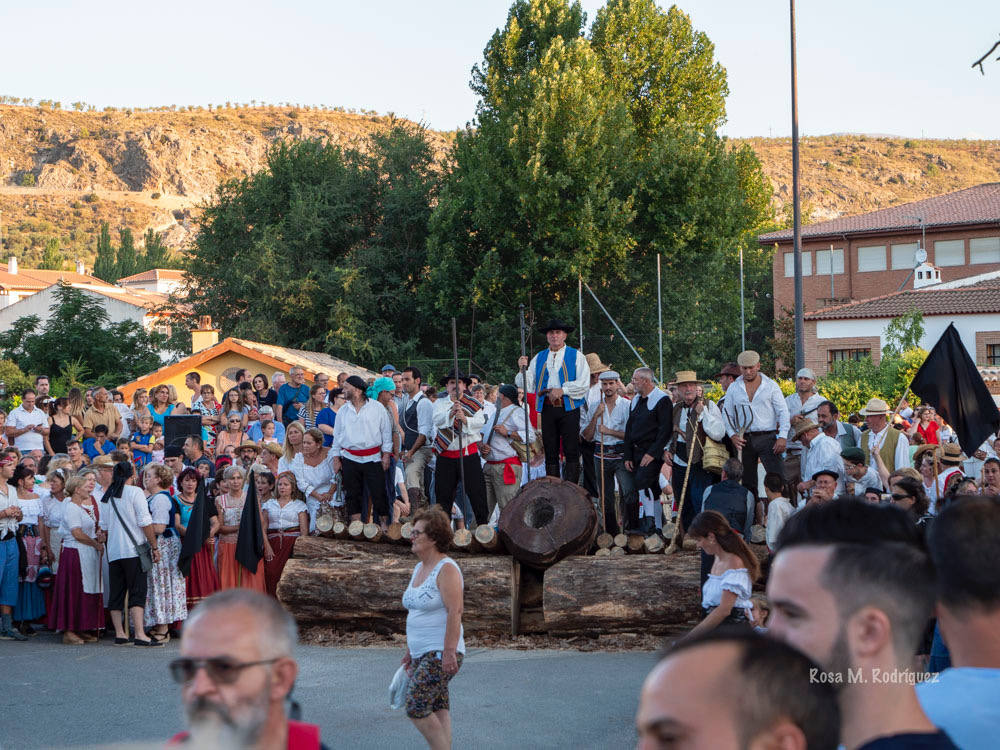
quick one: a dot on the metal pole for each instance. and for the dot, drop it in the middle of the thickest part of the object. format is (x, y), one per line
(579, 301)
(620, 331)
(743, 320)
(831, 275)
(659, 310)
(800, 358)
(461, 427)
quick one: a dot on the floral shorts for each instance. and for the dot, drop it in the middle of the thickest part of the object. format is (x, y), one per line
(428, 689)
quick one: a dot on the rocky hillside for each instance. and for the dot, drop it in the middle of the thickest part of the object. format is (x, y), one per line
(62, 173)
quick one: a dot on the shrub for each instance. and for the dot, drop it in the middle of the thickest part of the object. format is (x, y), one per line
(293, 114)
(90, 198)
(155, 196)
(908, 144)
(28, 179)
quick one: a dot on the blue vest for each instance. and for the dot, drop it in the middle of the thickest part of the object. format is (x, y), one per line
(566, 373)
(729, 499)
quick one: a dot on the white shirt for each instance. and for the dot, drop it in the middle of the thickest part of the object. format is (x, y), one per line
(159, 508)
(135, 512)
(902, 455)
(592, 401)
(823, 453)
(425, 415)
(20, 418)
(614, 418)
(512, 418)
(318, 478)
(471, 429)
(843, 427)
(778, 512)
(126, 414)
(871, 480)
(31, 509)
(75, 517)
(768, 406)
(360, 430)
(283, 518)
(808, 409)
(710, 418)
(576, 388)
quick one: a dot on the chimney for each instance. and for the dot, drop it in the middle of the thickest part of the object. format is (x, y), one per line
(12, 264)
(926, 275)
(80, 268)
(204, 336)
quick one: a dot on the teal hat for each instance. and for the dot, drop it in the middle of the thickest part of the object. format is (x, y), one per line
(381, 384)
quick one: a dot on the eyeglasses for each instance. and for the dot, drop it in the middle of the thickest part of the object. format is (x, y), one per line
(417, 532)
(220, 670)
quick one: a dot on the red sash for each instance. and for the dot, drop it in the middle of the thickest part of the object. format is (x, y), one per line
(364, 451)
(469, 450)
(301, 736)
(508, 468)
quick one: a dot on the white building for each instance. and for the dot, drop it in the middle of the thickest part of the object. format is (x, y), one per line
(160, 280)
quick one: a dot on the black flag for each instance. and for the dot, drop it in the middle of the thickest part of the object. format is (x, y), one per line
(198, 528)
(250, 539)
(949, 381)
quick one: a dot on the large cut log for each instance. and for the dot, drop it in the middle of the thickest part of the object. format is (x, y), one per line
(363, 590)
(372, 532)
(549, 519)
(395, 533)
(339, 530)
(462, 540)
(636, 544)
(605, 540)
(620, 594)
(486, 539)
(356, 530)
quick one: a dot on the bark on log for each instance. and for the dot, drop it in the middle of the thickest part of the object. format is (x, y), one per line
(549, 519)
(610, 594)
(486, 539)
(395, 533)
(361, 590)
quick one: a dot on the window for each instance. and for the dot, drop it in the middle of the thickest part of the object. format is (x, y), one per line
(871, 258)
(949, 253)
(984, 250)
(823, 261)
(993, 354)
(903, 256)
(807, 257)
(842, 355)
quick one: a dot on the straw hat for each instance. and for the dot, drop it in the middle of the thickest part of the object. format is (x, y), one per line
(249, 444)
(595, 364)
(804, 426)
(926, 448)
(952, 454)
(875, 407)
(686, 376)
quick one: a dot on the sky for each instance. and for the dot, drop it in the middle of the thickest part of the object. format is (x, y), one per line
(865, 66)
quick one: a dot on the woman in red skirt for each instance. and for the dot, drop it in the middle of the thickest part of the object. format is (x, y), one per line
(77, 604)
(203, 579)
(287, 520)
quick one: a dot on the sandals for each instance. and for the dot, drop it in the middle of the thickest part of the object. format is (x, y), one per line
(72, 639)
(149, 644)
(163, 638)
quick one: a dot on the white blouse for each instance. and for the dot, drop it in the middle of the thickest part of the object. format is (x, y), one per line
(311, 479)
(77, 517)
(53, 511)
(284, 518)
(31, 510)
(736, 580)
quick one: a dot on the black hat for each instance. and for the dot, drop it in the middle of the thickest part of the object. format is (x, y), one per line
(173, 451)
(826, 472)
(510, 391)
(555, 324)
(357, 382)
(453, 376)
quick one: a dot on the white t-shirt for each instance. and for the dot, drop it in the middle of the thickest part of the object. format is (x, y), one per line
(20, 418)
(75, 517)
(126, 413)
(283, 518)
(159, 508)
(135, 513)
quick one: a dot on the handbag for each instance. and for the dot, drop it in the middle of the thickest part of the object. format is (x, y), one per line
(398, 687)
(143, 551)
(713, 455)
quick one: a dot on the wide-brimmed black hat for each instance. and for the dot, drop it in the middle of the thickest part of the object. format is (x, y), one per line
(555, 324)
(452, 376)
(510, 391)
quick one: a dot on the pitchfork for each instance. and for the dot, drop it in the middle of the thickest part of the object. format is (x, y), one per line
(741, 423)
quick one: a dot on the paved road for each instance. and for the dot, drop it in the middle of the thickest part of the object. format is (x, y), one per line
(82, 696)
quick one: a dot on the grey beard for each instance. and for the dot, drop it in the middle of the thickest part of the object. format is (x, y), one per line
(213, 726)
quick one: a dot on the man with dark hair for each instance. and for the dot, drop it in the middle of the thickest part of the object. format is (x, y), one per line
(852, 586)
(76, 455)
(42, 386)
(416, 417)
(194, 454)
(734, 689)
(828, 418)
(964, 543)
(193, 382)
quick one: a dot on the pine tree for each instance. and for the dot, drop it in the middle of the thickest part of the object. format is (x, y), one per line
(105, 265)
(156, 254)
(52, 259)
(128, 258)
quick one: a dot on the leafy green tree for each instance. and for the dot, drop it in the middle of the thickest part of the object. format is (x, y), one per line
(79, 331)
(52, 259)
(105, 264)
(155, 254)
(127, 258)
(903, 333)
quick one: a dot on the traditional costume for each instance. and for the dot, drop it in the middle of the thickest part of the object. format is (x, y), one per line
(360, 437)
(502, 472)
(457, 441)
(646, 433)
(610, 451)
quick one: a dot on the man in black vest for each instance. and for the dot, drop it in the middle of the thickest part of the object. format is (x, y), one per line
(731, 499)
(416, 418)
(646, 433)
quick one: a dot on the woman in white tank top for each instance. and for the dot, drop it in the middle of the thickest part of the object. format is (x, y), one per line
(435, 639)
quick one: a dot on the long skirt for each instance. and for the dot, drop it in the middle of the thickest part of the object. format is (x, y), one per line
(282, 545)
(233, 575)
(30, 599)
(166, 600)
(203, 579)
(72, 609)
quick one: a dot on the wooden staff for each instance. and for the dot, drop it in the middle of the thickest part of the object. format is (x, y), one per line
(600, 423)
(527, 416)
(461, 449)
(680, 506)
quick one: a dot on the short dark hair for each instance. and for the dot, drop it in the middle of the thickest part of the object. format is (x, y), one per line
(414, 373)
(733, 469)
(774, 682)
(196, 377)
(41, 377)
(26, 391)
(878, 559)
(772, 481)
(437, 526)
(831, 406)
(20, 472)
(242, 373)
(101, 428)
(197, 441)
(72, 441)
(964, 543)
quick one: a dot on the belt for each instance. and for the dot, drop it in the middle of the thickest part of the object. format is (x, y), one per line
(364, 451)
(513, 461)
(762, 432)
(7, 535)
(467, 451)
(295, 529)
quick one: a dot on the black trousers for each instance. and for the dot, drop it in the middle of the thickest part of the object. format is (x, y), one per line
(588, 477)
(760, 445)
(640, 478)
(559, 425)
(359, 477)
(613, 467)
(446, 478)
(126, 576)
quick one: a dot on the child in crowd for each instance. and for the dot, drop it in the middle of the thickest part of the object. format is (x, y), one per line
(401, 503)
(142, 442)
(267, 429)
(156, 457)
(99, 445)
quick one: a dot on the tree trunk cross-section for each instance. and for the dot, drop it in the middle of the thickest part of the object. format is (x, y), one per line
(549, 519)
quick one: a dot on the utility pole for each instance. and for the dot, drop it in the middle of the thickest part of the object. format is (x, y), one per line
(800, 358)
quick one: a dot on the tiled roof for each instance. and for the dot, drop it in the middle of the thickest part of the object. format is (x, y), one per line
(139, 297)
(977, 298)
(311, 361)
(67, 277)
(168, 274)
(10, 281)
(975, 205)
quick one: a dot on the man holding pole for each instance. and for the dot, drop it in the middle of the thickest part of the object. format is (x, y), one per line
(560, 378)
(646, 433)
(459, 419)
(502, 472)
(607, 429)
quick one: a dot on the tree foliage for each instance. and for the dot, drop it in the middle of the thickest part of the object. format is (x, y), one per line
(105, 264)
(80, 331)
(52, 259)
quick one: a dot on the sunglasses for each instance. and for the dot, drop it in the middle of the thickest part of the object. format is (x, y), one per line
(220, 670)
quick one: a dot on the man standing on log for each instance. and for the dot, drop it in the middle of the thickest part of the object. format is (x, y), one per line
(754, 404)
(416, 417)
(607, 429)
(588, 477)
(503, 467)
(362, 445)
(459, 419)
(560, 378)
(801, 404)
(646, 433)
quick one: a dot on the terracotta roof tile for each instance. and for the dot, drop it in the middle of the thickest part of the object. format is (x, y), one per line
(977, 298)
(69, 277)
(153, 275)
(975, 205)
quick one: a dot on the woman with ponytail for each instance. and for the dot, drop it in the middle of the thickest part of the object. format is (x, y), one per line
(726, 594)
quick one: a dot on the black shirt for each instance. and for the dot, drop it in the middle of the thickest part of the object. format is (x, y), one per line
(922, 741)
(647, 431)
